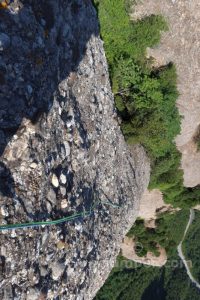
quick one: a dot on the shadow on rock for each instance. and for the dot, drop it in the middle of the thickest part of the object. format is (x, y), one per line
(40, 46)
(6, 181)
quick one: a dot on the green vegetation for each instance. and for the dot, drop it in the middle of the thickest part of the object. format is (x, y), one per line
(148, 115)
(191, 246)
(145, 96)
(129, 281)
(119, 34)
(164, 233)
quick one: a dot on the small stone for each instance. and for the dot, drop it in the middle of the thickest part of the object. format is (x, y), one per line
(4, 41)
(54, 181)
(32, 294)
(63, 179)
(22, 168)
(13, 234)
(70, 123)
(49, 207)
(67, 148)
(70, 271)
(57, 270)
(63, 190)
(51, 196)
(29, 89)
(4, 211)
(33, 165)
(60, 245)
(79, 227)
(43, 271)
(64, 203)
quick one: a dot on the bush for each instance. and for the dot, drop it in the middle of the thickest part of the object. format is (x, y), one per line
(164, 233)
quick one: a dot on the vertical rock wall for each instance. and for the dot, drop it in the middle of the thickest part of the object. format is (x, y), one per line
(61, 152)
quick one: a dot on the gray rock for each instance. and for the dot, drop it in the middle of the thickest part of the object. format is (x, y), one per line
(67, 148)
(4, 211)
(63, 179)
(32, 294)
(57, 270)
(51, 196)
(43, 271)
(63, 190)
(54, 181)
(64, 203)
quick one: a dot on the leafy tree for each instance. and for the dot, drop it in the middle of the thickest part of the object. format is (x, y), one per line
(164, 233)
(149, 283)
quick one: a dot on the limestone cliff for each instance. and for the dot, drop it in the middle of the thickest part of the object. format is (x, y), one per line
(61, 151)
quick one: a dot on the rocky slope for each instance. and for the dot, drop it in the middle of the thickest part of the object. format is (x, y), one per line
(61, 151)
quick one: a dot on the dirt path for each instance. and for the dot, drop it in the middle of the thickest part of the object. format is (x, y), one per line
(181, 45)
(180, 251)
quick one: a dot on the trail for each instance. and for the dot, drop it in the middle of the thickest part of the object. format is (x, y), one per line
(180, 251)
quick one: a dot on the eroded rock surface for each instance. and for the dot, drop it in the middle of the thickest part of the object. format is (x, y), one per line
(61, 152)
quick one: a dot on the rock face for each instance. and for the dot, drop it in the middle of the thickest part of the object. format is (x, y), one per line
(61, 152)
